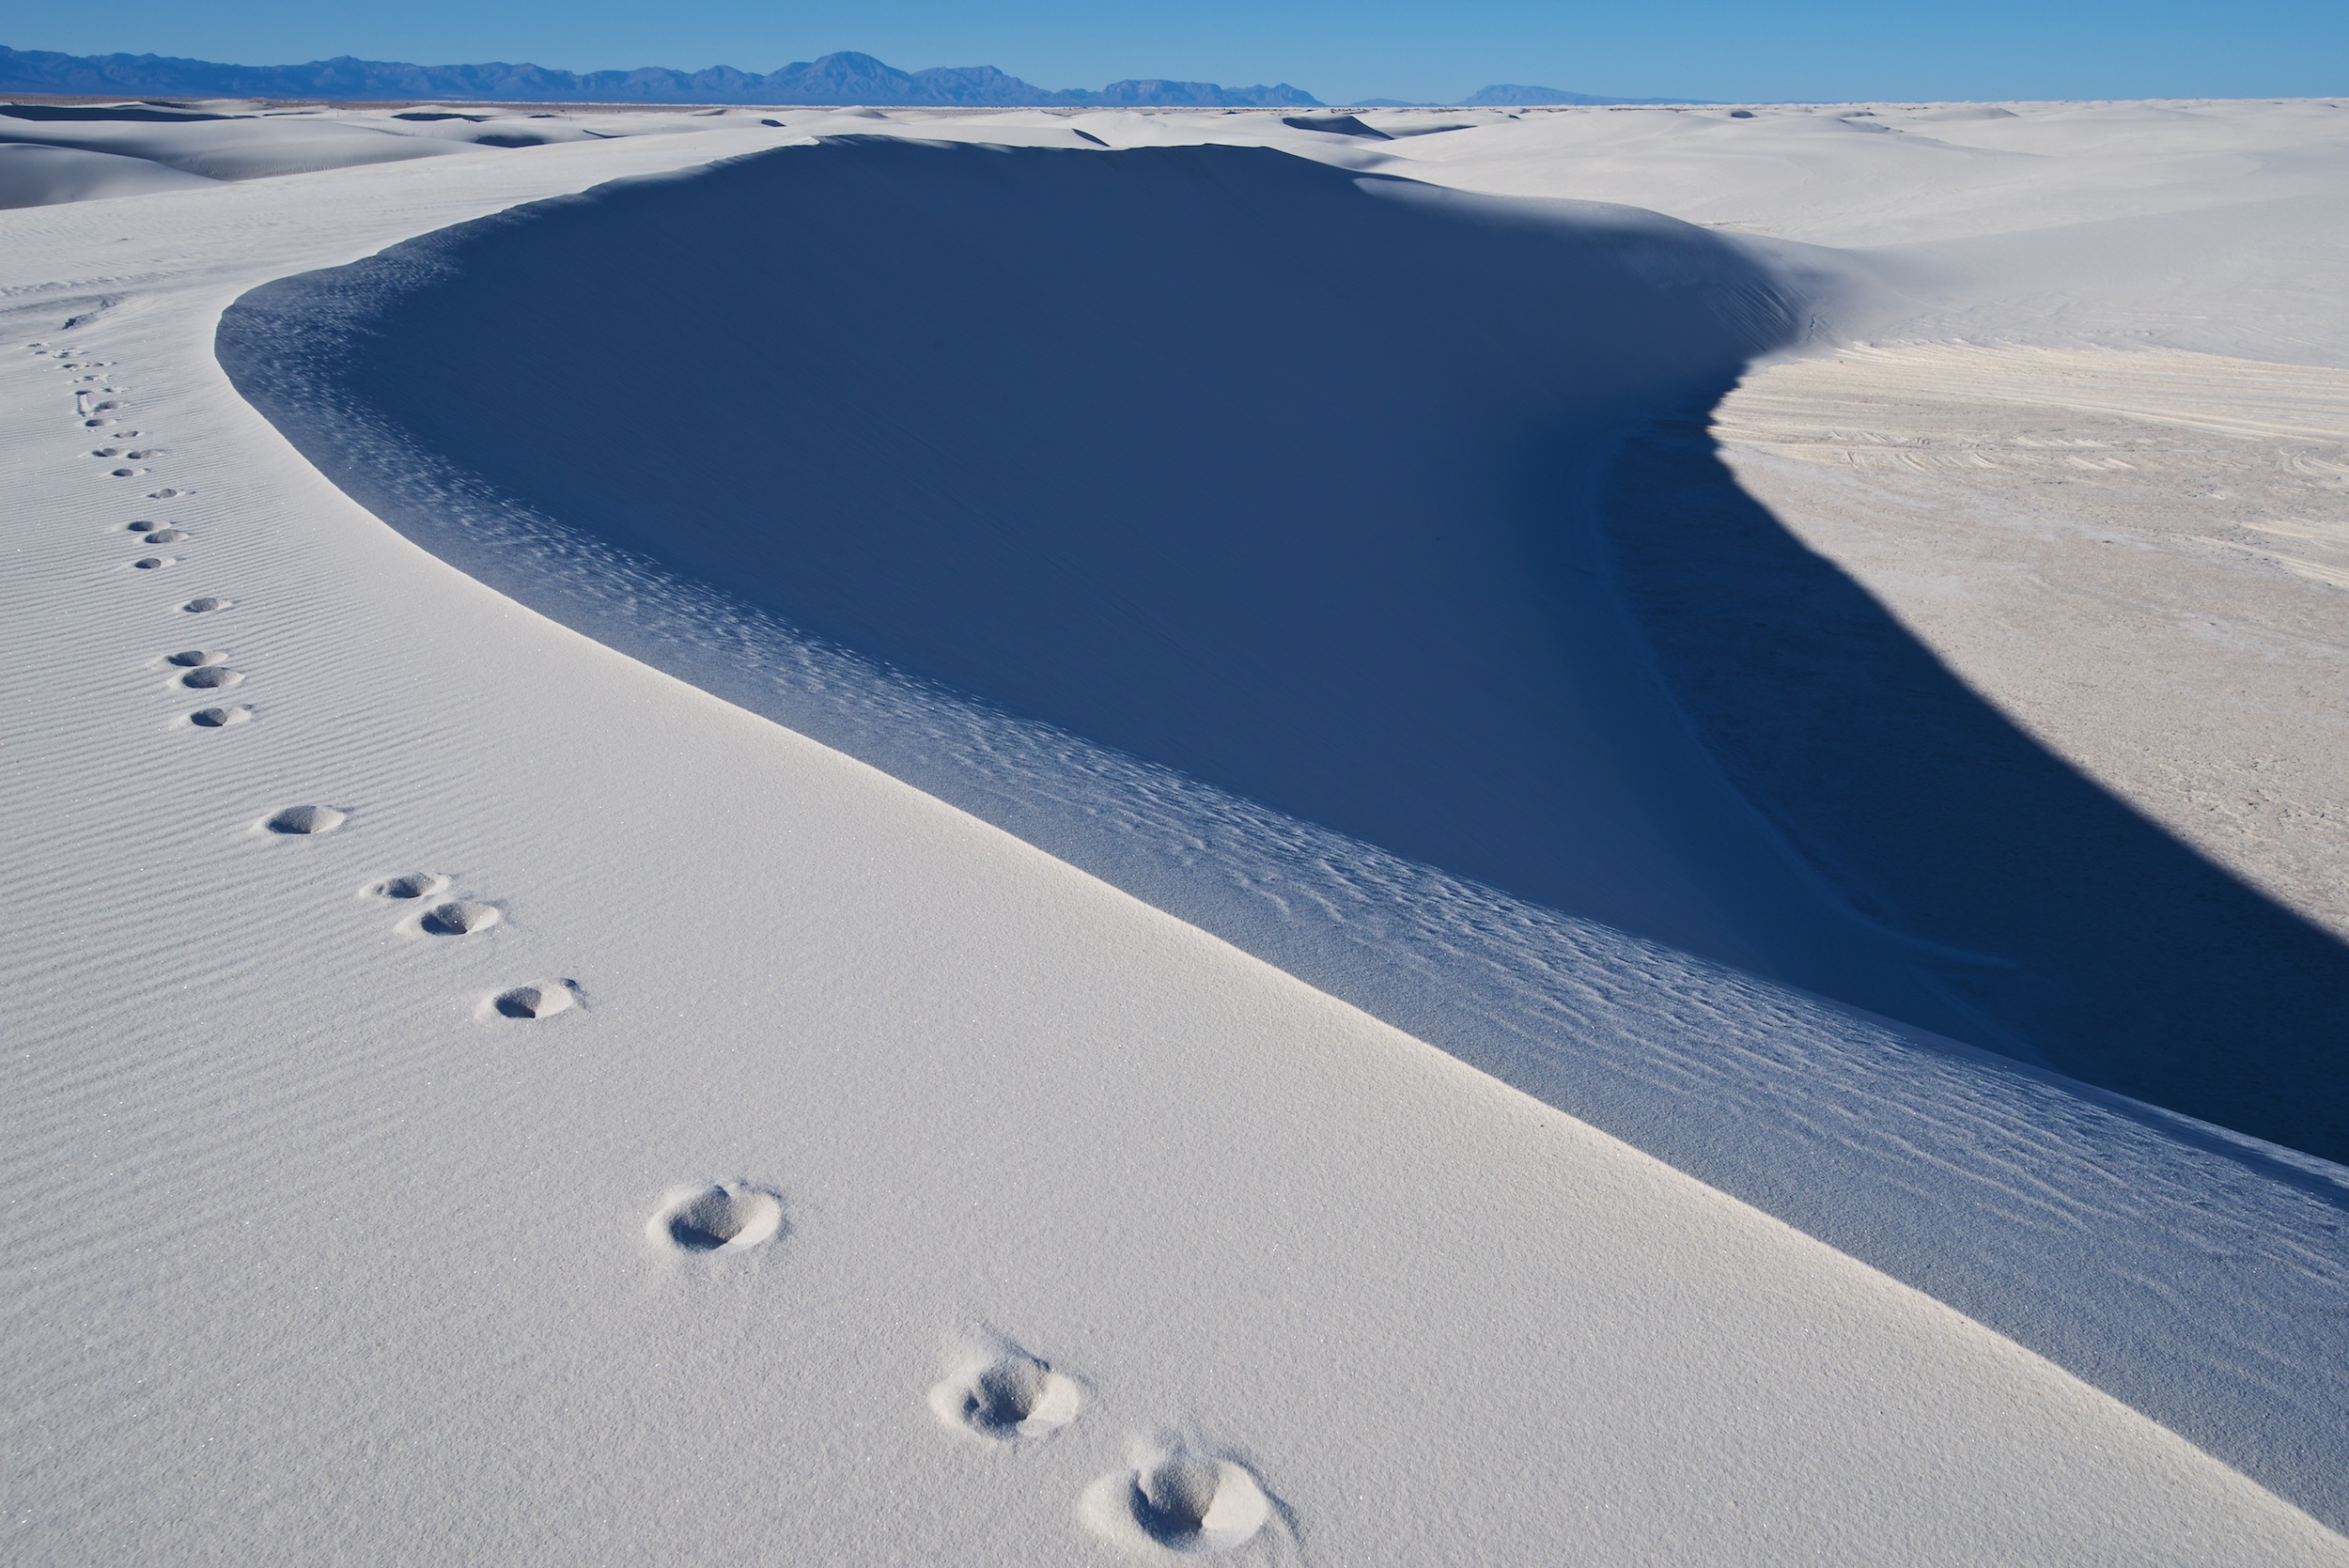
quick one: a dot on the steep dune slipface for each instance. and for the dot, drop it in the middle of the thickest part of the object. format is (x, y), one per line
(1255, 469)
(1273, 476)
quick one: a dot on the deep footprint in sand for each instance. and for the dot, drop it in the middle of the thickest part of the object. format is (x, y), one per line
(304, 820)
(219, 718)
(205, 605)
(460, 917)
(721, 1216)
(415, 884)
(1178, 1499)
(212, 678)
(538, 1001)
(190, 659)
(998, 1392)
(152, 562)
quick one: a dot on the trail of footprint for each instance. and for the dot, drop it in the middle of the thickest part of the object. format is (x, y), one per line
(299, 820)
(415, 884)
(999, 1393)
(458, 918)
(541, 999)
(719, 1217)
(455, 917)
(1178, 1498)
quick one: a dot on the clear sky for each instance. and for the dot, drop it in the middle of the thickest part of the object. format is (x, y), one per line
(1339, 50)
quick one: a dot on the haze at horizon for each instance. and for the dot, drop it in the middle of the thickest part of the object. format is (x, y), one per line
(1819, 51)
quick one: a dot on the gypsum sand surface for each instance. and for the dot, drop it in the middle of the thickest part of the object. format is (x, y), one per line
(633, 882)
(1319, 648)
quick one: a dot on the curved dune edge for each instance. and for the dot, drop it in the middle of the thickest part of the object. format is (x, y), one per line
(1125, 1155)
(1902, 1151)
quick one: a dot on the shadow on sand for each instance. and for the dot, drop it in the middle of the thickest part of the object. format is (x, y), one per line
(1276, 476)
(2120, 955)
(1222, 524)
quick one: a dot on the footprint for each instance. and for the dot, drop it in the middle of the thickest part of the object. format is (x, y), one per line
(1178, 1499)
(166, 493)
(148, 456)
(306, 819)
(152, 562)
(125, 472)
(996, 1391)
(194, 659)
(206, 606)
(723, 1217)
(417, 884)
(166, 535)
(458, 918)
(212, 677)
(219, 718)
(107, 452)
(536, 1001)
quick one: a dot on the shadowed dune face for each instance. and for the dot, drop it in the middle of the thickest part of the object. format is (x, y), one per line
(1224, 459)
(2128, 959)
(1279, 477)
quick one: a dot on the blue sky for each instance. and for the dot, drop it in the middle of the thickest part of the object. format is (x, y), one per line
(1337, 49)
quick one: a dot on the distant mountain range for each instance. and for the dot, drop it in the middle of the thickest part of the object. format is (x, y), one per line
(842, 78)
(1503, 94)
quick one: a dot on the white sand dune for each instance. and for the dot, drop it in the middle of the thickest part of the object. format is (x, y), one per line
(232, 148)
(34, 174)
(52, 154)
(871, 1184)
